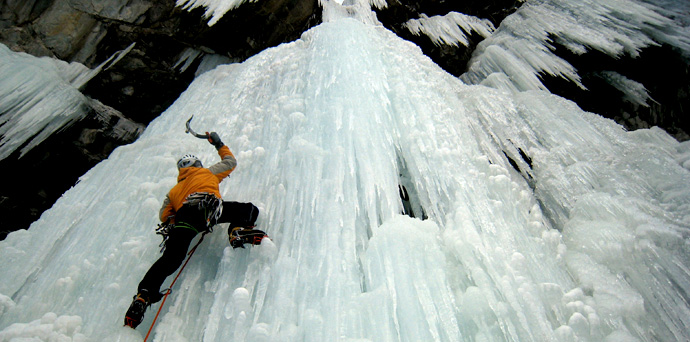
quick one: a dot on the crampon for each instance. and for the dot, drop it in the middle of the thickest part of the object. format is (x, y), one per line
(241, 235)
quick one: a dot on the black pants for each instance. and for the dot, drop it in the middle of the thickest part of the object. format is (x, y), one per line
(179, 238)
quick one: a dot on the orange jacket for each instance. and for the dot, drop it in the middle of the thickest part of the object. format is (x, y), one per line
(198, 179)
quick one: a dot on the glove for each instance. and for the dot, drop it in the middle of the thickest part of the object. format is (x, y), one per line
(214, 139)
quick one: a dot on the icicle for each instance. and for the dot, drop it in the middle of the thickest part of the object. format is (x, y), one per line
(633, 91)
(610, 26)
(214, 9)
(451, 28)
(40, 97)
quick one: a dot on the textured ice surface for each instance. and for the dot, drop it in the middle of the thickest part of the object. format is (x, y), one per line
(584, 239)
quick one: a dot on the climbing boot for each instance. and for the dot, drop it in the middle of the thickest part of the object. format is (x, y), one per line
(241, 235)
(135, 313)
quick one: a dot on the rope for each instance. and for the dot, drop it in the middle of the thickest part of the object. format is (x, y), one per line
(169, 290)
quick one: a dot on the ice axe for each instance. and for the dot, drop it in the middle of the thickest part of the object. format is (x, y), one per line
(191, 131)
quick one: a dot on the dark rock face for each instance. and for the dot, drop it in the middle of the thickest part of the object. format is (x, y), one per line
(145, 82)
(664, 71)
(453, 59)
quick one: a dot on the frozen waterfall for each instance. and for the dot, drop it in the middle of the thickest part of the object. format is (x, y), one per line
(535, 220)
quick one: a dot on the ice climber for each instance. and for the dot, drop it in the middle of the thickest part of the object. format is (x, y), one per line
(194, 206)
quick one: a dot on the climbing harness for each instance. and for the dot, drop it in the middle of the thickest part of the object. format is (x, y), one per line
(211, 207)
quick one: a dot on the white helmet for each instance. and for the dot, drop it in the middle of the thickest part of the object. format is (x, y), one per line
(188, 160)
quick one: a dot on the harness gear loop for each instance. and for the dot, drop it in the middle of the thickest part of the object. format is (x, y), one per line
(163, 230)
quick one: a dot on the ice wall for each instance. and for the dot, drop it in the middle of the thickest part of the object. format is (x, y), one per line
(40, 96)
(584, 239)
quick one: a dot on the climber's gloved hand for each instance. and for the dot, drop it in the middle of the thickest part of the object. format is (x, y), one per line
(214, 139)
